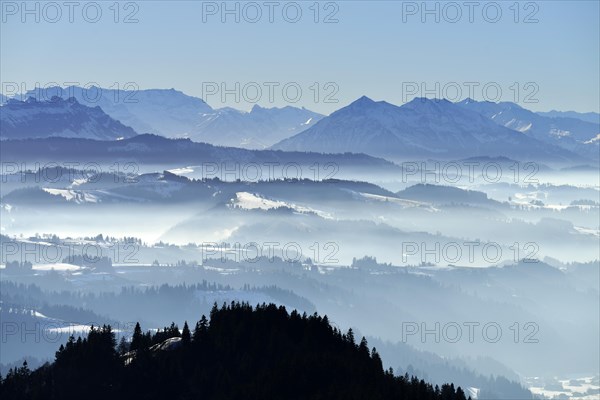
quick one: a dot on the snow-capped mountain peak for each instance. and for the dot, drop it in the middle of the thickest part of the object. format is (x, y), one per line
(422, 127)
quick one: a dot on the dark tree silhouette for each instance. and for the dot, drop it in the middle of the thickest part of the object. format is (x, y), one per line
(137, 340)
(243, 353)
(185, 334)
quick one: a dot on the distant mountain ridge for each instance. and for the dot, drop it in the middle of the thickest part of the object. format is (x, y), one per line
(573, 134)
(257, 129)
(438, 194)
(592, 117)
(58, 118)
(421, 128)
(173, 114)
(157, 150)
(158, 111)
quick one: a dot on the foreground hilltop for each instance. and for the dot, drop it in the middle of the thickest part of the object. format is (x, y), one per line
(242, 353)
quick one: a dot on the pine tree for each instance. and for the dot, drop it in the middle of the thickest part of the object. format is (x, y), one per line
(24, 370)
(350, 336)
(460, 394)
(377, 358)
(447, 392)
(364, 346)
(138, 338)
(200, 329)
(186, 337)
(123, 346)
(196, 334)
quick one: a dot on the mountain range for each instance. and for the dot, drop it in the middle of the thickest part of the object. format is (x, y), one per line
(257, 129)
(173, 114)
(421, 128)
(59, 118)
(567, 132)
(588, 117)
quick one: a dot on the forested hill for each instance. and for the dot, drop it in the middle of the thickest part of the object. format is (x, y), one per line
(241, 353)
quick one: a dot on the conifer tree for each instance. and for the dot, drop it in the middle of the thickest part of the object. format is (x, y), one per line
(137, 339)
(186, 337)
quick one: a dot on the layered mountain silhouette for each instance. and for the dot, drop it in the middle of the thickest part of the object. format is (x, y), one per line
(592, 117)
(567, 132)
(420, 128)
(154, 150)
(257, 129)
(171, 113)
(58, 117)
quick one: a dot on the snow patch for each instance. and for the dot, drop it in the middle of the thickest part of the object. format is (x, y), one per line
(249, 201)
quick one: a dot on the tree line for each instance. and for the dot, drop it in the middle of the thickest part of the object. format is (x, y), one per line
(239, 352)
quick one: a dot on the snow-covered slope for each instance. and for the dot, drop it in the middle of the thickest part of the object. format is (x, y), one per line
(570, 133)
(58, 118)
(422, 127)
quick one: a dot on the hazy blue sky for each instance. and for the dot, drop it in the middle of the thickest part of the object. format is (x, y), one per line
(378, 49)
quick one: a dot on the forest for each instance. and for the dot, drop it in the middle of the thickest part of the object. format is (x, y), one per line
(239, 352)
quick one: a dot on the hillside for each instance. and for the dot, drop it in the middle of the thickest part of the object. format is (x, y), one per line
(261, 353)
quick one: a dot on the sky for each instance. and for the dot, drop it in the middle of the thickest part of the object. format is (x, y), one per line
(543, 55)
